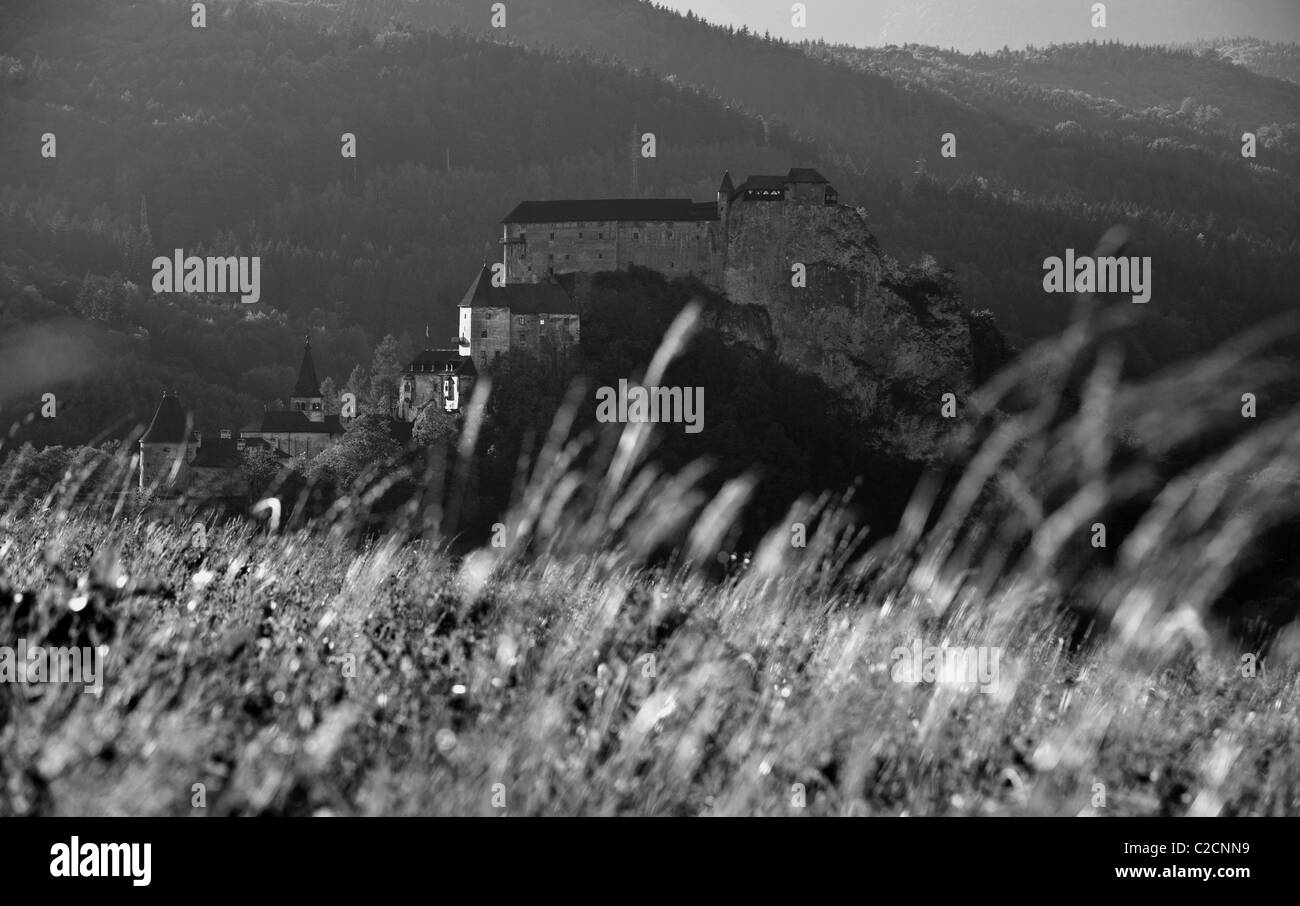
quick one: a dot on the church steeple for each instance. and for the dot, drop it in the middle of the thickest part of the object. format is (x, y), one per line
(306, 397)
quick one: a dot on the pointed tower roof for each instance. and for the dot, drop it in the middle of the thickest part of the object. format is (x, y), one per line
(482, 282)
(727, 186)
(169, 423)
(308, 385)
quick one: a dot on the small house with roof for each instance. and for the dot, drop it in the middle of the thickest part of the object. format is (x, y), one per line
(440, 377)
(303, 429)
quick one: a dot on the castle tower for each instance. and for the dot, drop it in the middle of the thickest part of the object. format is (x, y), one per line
(306, 392)
(725, 191)
(466, 328)
(164, 448)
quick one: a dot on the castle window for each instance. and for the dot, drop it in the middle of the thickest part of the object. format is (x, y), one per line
(482, 334)
(552, 235)
(579, 235)
(636, 235)
(670, 234)
(600, 235)
(567, 257)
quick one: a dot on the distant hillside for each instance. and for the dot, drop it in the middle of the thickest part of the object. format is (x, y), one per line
(989, 25)
(1054, 146)
(228, 139)
(1140, 89)
(1266, 58)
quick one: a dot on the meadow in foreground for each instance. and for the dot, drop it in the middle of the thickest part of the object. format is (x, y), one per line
(577, 670)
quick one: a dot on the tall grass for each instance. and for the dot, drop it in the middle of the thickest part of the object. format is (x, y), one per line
(598, 663)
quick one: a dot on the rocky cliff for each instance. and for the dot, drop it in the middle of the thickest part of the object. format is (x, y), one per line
(891, 339)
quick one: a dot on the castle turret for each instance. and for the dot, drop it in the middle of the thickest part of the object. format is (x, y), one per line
(165, 449)
(306, 397)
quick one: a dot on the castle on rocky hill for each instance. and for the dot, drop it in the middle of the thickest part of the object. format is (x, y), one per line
(519, 304)
(744, 243)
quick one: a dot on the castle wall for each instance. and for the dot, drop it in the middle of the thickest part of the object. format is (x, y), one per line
(806, 193)
(489, 335)
(533, 251)
(544, 334)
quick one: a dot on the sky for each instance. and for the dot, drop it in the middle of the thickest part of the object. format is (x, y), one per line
(970, 25)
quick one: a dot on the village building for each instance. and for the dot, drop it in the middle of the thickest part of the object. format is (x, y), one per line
(175, 460)
(303, 429)
(438, 377)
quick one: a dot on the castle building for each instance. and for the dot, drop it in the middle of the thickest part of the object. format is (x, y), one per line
(675, 236)
(303, 428)
(536, 316)
(441, 377)
(744, 239)
(748, 230)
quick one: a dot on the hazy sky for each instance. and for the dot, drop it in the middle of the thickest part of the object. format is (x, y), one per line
(989, 24)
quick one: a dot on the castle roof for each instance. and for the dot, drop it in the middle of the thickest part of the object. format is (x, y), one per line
(442, 360)
(284, 421)
(771, 185)
(805, 174)
(605, 209)
(222, 453)
(763, 184)
(169, 423)
(520, 298)
(308, 385)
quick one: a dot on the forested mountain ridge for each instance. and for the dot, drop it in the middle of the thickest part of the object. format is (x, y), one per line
(1266, 58)
(1042, 164)
(228, 138)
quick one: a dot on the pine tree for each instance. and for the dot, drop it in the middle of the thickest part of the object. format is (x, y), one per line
(384, 372)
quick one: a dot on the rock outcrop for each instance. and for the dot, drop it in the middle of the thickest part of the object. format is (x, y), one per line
(891, 339)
